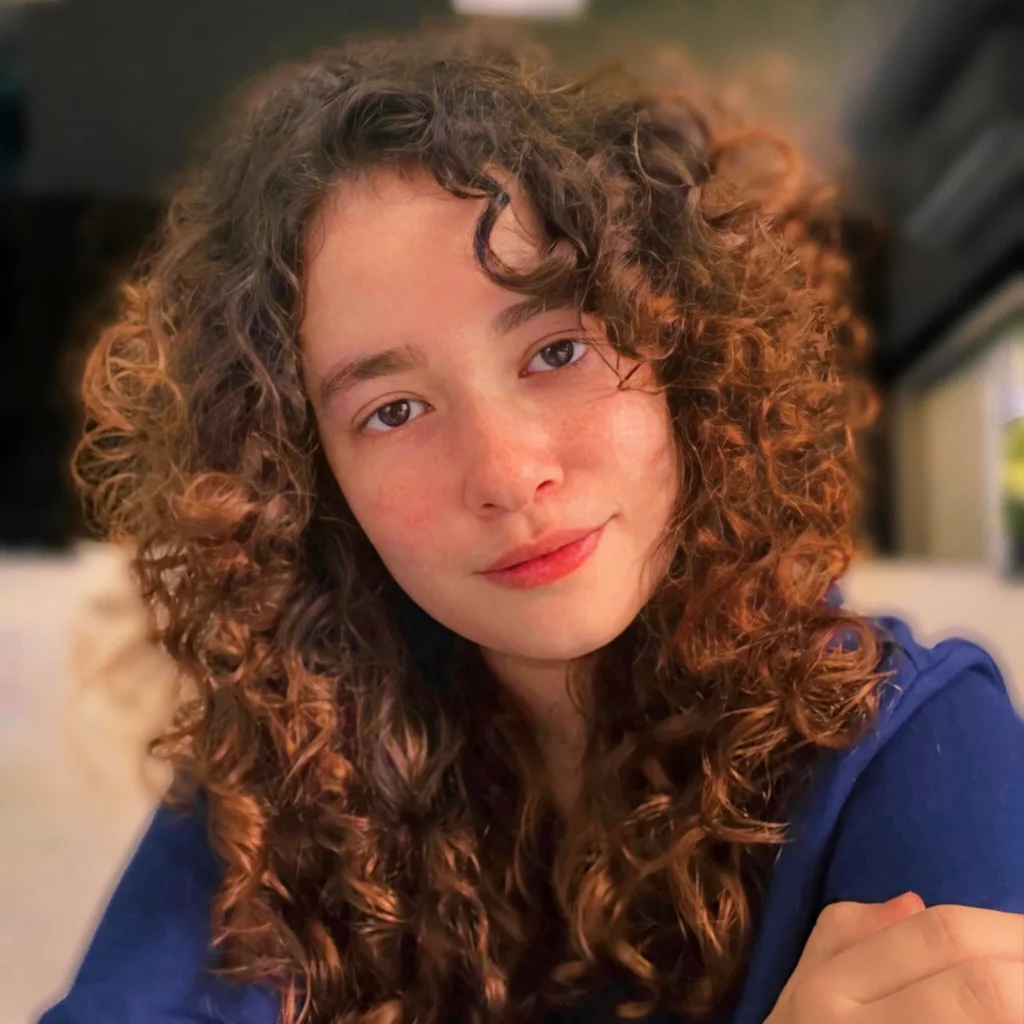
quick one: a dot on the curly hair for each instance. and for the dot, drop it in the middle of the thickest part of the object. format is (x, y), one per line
(388, 852)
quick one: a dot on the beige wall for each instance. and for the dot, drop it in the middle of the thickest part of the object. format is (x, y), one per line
(943, 493)
(947, 440)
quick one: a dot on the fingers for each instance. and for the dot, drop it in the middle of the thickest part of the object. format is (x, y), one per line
(936, 940)
(975, 992)
(843, 925)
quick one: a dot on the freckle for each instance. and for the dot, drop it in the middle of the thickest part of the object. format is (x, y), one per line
(418, 521)
(382, 506)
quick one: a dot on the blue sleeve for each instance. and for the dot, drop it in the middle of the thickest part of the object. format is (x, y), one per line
(940, 809)
(148, 959)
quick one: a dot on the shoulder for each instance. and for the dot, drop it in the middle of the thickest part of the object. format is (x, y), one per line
(929, 800)
(935, 788)
(925, 683)
(150, 954)
(929, 681)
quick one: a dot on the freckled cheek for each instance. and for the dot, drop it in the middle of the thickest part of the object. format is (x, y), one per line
(400, 504)
(403, 523)
(638, 433)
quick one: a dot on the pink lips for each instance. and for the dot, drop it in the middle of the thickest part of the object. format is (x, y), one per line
(555, 556)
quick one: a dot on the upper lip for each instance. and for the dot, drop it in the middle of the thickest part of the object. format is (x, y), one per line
(543, 546)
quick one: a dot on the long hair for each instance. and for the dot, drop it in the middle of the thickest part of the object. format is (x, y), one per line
(388, 852)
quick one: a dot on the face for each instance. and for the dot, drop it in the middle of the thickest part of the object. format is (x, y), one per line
(466, 432)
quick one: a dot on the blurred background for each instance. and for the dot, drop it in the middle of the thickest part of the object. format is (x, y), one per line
(916, 107)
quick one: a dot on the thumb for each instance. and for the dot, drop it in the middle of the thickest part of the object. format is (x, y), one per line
(842, 925)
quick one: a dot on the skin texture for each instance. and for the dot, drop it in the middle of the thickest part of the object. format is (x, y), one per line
(886, 963)
(499, 443)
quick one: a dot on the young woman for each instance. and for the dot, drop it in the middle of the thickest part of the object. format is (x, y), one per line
(487, 440)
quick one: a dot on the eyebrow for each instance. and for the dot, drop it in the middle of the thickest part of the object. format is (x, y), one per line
(401, 358)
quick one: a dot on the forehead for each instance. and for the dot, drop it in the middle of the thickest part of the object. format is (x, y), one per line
(388, 248)
(371, 220)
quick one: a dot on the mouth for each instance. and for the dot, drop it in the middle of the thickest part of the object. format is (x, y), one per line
(549, 559)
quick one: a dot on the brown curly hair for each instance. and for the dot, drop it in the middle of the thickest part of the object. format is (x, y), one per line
(389, 852)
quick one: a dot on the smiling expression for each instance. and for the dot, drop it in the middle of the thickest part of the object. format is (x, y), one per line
(461, 424)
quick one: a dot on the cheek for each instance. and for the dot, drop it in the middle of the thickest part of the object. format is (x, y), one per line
(402, 521)
(398, 511)
(638, 434)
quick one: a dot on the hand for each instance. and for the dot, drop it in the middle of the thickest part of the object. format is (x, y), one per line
(897, 963)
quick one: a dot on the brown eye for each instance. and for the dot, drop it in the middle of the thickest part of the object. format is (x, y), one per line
(561, 354)
(391, 416)
(395, 414)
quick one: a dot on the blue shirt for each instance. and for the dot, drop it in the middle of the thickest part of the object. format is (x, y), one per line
(931, 800)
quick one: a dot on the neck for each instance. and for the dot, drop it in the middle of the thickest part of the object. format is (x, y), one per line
(542, 689)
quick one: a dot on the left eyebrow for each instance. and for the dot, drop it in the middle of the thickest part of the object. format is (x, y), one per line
(520, 313)
(403, 358)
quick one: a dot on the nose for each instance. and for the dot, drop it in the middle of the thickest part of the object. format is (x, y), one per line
(511, 458)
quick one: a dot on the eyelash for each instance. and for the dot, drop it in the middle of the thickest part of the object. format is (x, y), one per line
(554, 369)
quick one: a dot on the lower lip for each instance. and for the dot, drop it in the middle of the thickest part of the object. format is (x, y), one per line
(548, 568)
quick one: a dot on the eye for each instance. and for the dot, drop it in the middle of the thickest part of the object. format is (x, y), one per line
(558, 355)
(561, 354)
(391, 416)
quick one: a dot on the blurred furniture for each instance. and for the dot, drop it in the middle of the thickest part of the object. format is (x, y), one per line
(939, 139)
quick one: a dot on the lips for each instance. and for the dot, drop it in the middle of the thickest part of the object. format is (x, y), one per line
(544, 546)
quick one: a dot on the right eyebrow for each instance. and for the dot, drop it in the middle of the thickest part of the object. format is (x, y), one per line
(348, 374)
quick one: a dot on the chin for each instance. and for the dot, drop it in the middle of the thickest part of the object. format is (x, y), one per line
(554, 640)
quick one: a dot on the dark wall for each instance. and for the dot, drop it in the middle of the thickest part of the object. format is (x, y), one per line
(100, 104)
(58, 258)
(118, 89)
